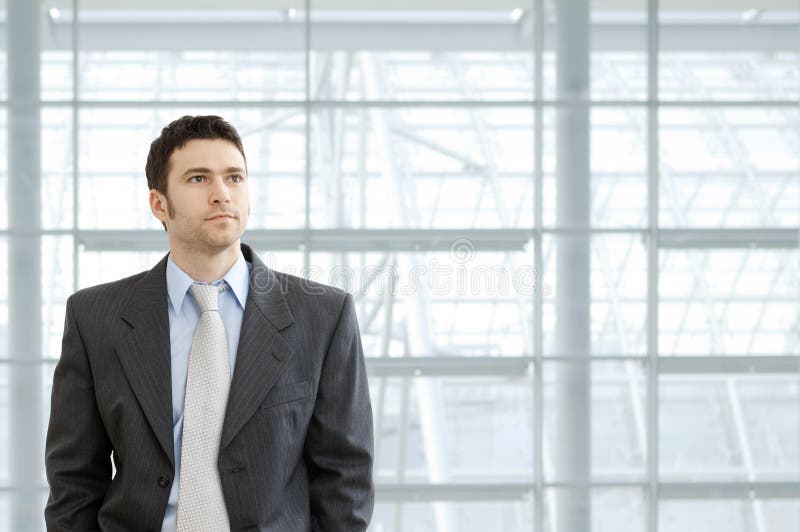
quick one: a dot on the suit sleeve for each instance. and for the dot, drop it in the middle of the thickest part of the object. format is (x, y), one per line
(77, 450)
(339, 441)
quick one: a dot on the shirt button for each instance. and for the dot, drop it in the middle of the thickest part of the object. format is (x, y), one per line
(163, 481)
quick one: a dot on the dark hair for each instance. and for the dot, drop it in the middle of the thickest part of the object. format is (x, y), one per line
(176, 135)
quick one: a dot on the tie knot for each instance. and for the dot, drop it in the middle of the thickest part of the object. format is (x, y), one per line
(207, 295)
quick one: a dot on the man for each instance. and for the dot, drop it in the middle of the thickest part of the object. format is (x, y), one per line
(233, 397)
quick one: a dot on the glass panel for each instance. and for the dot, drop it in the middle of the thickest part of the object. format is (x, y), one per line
(729, 167)
(613, 416)
(712, 50)
(4, 280)
(768, 415)
(619, 295)
(55, 52)
(96, 267)
(290, 262)
(618, 168)
(728, 302)
(220, 52)
(618, 48)
(57, 168)
(439, 303)
(46, 371)
(9, 501)
(729, 428)
(729, 515)
(275, 144)
(468, 516)
(114, 147)
(5, 422)
(57, 46)
(3, 85)
(619, 509)
(618, 289)
(609, 509)
(422, 167)
(471, 430)
(425, 51)
(4, 185)
(57, 285)
(14, 407)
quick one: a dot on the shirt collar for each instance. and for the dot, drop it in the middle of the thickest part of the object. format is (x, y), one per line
(178, 282)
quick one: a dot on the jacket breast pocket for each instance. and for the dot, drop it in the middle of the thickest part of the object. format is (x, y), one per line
(287, 393)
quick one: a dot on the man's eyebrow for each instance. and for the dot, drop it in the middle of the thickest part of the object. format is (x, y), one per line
(203, 170)
(198, 170)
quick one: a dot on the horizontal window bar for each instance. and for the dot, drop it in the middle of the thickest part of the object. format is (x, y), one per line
(457, 34)
(448, 366)
(728, 364)
(422, 492)
(504, 239)
(728, 490)
(452, 492)
(728, 238)
(266, 104)
(327, 239)
(515, 366)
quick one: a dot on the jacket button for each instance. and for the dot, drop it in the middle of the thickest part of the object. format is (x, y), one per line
(163, 481)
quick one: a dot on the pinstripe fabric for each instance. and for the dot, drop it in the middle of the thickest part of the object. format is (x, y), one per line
(296, 445)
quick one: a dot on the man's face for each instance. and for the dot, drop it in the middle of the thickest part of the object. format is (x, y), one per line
(208, 196)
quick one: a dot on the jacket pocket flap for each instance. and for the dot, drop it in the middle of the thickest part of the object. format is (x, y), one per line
(286, 393)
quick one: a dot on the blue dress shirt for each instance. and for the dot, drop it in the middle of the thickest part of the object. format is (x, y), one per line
(184, 314)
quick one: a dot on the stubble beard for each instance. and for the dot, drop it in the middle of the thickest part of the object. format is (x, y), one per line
(207, 238)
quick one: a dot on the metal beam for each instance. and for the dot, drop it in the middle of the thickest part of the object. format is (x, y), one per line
(418, 492)
(411, 36)
(573, 438)
(728, 364)
(433, 239)
(520, 491)
(24, 430)
(729, 490)
(778, 238)
(326, 239)
(783, 104)
(518, 366)
(421, 366)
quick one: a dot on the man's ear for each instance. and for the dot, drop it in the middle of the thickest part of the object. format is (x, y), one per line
(158, 205)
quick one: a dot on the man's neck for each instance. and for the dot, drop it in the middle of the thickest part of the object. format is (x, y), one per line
(205, 266)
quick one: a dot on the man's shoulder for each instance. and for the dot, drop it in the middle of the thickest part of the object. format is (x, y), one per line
(114, 292)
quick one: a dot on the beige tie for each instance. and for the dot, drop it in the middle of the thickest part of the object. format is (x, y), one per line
(201, 505)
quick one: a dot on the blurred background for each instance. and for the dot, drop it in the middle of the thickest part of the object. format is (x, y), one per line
(571, 230)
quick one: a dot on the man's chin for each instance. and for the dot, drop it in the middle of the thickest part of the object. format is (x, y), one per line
(221, 241)
(208, 239)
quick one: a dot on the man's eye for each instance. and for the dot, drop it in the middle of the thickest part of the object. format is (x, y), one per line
(196, 178)
(236, 178)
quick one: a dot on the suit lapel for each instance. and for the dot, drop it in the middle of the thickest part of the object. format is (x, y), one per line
(262, 354)
(145, 353)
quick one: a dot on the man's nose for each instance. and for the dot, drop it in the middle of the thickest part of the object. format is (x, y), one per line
(219, 191)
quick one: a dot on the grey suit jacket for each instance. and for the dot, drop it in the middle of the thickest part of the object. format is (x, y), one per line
(297, 445)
